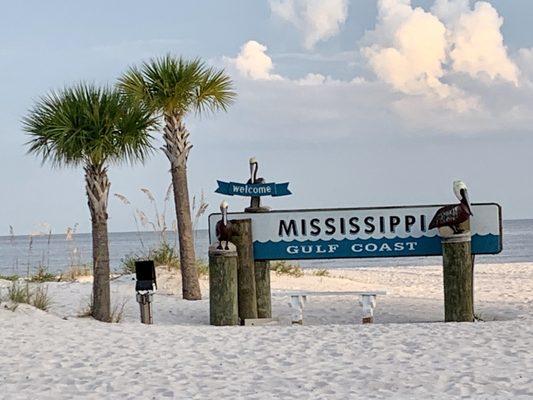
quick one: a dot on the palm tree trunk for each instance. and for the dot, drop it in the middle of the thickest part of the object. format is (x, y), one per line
(98, 193)
(177, 148)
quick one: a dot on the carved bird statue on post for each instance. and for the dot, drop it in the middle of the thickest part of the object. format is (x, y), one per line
(255, 201)
(452, 216)
(224, 228)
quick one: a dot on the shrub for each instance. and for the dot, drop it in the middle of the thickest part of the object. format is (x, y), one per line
(202, 267)
(11, 278)
(165, 255)
(128, 263)
(321, 272)
(284, 268)
(74, 272)
(42, 275)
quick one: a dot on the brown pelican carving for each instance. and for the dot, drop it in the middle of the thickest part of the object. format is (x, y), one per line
(224, 228)
(455, 214)
(255, 201)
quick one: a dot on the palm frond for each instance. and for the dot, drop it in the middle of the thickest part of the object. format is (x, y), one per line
(176, 86)
(89, 124)
(215, 92)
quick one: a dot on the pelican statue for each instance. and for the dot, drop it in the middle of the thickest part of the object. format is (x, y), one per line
(455, 214)
(255, 201)
(224, 228)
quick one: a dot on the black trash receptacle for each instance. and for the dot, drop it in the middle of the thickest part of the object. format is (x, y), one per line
(145, 275)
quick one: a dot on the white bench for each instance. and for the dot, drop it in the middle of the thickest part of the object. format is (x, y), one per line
(367, 300)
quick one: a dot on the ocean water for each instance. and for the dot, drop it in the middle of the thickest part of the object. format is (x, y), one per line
(22, 254)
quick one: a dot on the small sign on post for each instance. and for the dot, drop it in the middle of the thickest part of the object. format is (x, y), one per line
(254, 275)
(253, 190)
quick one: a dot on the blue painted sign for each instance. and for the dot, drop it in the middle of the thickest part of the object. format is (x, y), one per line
(253, 190)
(361, 232)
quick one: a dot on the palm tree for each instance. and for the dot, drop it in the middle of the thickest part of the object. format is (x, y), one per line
(172, 88)
(91, 127)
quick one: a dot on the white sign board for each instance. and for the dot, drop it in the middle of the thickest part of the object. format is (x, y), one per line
(360, 232)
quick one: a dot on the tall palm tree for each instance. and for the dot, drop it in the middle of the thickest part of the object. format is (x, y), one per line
(172, 88)
(91, 127)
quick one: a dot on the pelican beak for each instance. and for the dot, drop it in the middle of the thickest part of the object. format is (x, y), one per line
(464, 195)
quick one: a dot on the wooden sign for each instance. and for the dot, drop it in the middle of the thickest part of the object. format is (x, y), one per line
(361, 232)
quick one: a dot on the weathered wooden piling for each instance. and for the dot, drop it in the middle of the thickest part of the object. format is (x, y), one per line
(457, 272)
(262, 289)
(223, 300)
(262, 277)
(242, 238)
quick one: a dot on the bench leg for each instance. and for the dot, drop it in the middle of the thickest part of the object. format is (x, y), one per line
(297, 307)
(368, 301)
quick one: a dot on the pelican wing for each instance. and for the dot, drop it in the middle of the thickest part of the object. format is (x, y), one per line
(445, 216)
(217, 228)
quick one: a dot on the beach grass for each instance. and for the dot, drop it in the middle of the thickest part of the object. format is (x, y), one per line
(41, 299)
(74, 272)
(42, 275)
(11, 278)
(19, 293)
(320, 272)
(117, 311)
(164, 255)
(203, 268)
(286, 268)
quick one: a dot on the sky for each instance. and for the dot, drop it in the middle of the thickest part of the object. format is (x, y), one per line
(356, 103)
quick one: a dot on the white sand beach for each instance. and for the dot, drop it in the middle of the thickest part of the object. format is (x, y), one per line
(408, 352)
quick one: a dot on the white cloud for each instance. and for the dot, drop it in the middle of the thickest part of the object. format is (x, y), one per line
(317, 19)
(439, 70)
(254, 63)
(415, 50)
(477, 45)
(313, 79)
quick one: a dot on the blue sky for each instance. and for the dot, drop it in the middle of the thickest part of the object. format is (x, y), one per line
(356, 103)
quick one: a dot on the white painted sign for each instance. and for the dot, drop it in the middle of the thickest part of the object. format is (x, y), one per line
(360, 232)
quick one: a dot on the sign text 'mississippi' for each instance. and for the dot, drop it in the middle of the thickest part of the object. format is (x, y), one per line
(351, 226)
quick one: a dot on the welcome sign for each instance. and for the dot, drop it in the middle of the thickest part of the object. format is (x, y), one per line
(253, 190)
(361, 232)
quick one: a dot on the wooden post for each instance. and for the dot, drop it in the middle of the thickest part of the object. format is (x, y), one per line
(457, 272)
(262, 278)
(242, 238)
(145, 300)
(262, 288)
(223, 303)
